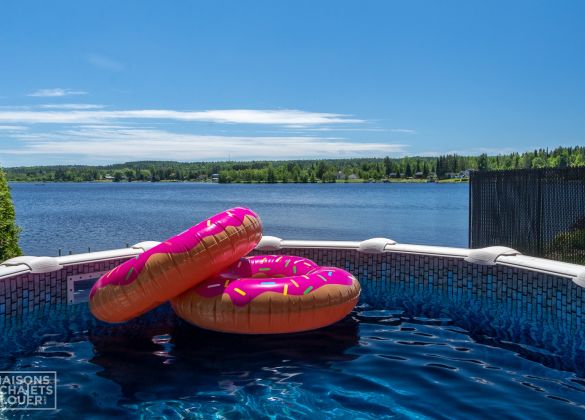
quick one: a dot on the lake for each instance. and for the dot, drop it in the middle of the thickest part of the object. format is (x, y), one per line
(75, 216)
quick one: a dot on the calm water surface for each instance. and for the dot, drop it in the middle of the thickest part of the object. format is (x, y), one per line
(75, 216)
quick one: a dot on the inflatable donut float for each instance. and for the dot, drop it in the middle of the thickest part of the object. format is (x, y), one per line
(269, 295)
(175, 265)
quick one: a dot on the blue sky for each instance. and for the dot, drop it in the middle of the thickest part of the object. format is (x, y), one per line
(112, 81)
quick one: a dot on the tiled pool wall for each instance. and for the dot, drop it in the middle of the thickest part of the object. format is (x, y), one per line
(522, 294)
(27, 293)
(526, 295)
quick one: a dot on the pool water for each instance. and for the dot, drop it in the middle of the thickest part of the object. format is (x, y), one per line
(407, 356)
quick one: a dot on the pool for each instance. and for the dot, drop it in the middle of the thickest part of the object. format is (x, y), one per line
(432, 337)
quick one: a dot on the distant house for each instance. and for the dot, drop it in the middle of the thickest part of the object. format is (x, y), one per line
(352, 176)
(340, 175)
(458, 175)
(393, 175)
(109, 177)
(214, 177)
(418, 174)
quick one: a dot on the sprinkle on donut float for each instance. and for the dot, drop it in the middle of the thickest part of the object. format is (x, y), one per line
(269, 295)
(175, 265)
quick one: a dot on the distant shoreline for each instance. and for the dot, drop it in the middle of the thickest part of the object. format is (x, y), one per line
(449, 168)
(354, 181)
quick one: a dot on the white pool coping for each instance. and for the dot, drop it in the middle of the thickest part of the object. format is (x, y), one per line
(484, 256)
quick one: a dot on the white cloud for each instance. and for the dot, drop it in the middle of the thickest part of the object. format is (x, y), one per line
(227, 116)
(430, 153)
(98, 143)
(71, 106)
(300, 129)
(90, 134)
(13, 127)
(56, 92)
(104, 62)
(492, 151)
(403, 130)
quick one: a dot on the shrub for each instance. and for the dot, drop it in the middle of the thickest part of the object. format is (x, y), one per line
(567, 241)
(8, 230)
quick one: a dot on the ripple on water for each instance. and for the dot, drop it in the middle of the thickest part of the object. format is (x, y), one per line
(373, 364)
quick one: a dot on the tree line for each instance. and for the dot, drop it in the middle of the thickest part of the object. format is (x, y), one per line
(329, 170)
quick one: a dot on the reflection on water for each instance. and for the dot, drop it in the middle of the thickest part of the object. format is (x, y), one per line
(184, 354)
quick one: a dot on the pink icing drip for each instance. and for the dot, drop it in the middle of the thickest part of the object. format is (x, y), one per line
(128, 271)
(232, 280)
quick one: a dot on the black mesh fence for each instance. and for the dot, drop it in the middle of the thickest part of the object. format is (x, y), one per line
(539, 212)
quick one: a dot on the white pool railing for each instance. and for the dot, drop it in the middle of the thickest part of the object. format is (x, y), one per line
(496, 255)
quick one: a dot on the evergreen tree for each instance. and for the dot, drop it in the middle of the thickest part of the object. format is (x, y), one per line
(321, 169)
(482, 162)
(408, 170)
(387, 166)
(441, 170)
(270, 175)
(8, 230)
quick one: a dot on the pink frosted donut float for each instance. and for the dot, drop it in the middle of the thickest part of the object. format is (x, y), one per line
(175, 265)
(269, 295)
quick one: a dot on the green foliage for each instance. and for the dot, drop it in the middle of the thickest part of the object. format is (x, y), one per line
(482, 162)
(408, 171)
(569, 246)
(270, 175)
(8, 229)
(569, 241)
(440, 167)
